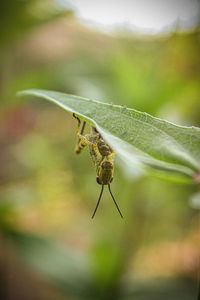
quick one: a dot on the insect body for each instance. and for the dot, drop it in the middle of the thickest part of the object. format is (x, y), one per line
(102, 155)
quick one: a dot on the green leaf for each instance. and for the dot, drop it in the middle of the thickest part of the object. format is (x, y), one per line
(143, 141)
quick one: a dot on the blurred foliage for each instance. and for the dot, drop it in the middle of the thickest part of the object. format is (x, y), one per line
(47, 193)
(19, 16)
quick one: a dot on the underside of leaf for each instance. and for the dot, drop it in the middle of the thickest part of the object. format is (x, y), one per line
(139, 138)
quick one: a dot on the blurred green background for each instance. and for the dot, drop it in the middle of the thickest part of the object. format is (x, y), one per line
(49, 246)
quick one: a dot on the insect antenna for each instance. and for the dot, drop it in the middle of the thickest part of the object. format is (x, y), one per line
(98, 201)
(115, 201)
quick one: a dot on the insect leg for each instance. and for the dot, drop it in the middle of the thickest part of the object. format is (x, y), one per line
(95, 146)
(112, 155)
(96, 151)
(94, 130)
(82, 128)
(82, 141)
(98, 201)
(115, 201)
(77, 118)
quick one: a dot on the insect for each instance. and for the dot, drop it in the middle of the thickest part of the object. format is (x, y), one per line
(102, 156)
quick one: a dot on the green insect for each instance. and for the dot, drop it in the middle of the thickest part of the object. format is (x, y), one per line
(102, 155)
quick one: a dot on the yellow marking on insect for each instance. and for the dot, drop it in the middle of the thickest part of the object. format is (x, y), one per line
(102, 156)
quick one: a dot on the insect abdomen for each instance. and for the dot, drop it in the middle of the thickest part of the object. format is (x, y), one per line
(105, 172)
